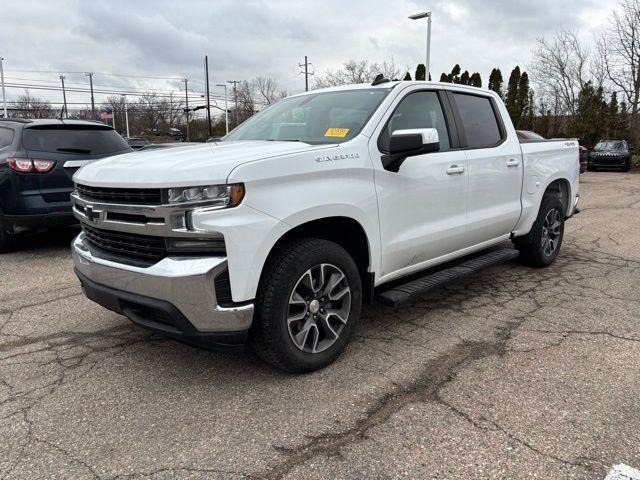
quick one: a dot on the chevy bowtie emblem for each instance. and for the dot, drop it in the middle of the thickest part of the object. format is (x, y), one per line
(92, 214)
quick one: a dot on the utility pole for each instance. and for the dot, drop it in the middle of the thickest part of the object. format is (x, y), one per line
(206, 71)
(126, 115)
(306, 65)
(64, 98)
(93, 103)
(226, 107)
(4, 98)
(186, 103)
(235, 96)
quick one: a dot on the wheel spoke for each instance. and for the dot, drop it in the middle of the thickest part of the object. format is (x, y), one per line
(334, 280)
(316, 337)
(300, 338)
(340, 294)
(324, 321)
(296, 299)
(338, 314)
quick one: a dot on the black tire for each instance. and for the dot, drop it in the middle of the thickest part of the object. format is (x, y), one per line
(270, 335)
(627, 165)
(7, 240)
(533, 249)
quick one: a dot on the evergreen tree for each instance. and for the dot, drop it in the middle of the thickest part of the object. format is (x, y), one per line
(496, 81)
(592, 108)
(444, 77)
(464, 78)
(475, 80)
(454, 76)
(511, 101)
(522, 101)
(407, 76)
(421, 72)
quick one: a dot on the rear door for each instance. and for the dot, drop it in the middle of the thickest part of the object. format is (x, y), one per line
(495, 169)
(70, 146)
(422, 207)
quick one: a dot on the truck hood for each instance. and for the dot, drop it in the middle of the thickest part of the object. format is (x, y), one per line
(209, 163)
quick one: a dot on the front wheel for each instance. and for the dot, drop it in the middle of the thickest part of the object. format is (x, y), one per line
(627, 165)
(308, 305)
(540, 247)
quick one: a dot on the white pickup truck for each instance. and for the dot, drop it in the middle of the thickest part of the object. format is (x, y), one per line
(325, 200)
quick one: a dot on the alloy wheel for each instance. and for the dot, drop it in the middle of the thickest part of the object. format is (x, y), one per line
(318, 308)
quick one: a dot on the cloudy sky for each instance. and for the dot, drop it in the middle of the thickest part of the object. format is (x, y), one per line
(122, 41)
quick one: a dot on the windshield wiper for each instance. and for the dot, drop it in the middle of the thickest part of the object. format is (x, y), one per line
(284, 140)
(74, 150)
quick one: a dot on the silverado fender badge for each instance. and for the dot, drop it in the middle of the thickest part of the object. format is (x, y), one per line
(333, 158)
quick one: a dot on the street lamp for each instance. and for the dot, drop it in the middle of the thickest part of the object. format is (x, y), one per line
(427, 15)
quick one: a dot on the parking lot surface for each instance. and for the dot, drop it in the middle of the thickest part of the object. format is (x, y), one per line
(515, 373)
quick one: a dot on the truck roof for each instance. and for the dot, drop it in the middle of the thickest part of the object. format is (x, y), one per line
(392, 84)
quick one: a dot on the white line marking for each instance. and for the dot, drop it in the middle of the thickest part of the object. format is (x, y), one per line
(623, 472)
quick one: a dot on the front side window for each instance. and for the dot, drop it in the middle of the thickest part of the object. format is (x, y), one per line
(316, 118)
(478, 120)
(417, 110)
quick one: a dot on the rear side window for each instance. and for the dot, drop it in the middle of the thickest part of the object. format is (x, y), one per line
(6, 137)
(478, 120)
(73, 139)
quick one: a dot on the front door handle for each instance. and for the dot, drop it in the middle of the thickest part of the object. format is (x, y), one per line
(453, 169)
(513, 163)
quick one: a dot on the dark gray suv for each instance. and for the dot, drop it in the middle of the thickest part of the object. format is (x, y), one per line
(37, 160)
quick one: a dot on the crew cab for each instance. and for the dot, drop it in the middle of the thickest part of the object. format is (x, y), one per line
(318, 203)
(37, 161)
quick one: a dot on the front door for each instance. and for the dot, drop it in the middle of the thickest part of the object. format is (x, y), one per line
(422, 206)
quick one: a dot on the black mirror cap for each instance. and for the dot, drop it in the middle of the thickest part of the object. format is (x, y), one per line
(411, 144)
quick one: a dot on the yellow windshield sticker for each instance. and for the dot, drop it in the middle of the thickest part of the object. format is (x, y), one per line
(336, 132)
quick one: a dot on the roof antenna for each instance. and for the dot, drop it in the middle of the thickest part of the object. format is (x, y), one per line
(379, 79)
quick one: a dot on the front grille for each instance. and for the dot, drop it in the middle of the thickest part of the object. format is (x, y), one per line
(140, 246)
(136, 196)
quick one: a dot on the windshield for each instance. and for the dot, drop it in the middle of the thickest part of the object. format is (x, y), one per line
(327, 117)
(610, 145)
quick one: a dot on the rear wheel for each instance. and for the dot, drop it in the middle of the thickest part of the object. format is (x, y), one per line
(540, 247)
(7, 239)
(308, 306)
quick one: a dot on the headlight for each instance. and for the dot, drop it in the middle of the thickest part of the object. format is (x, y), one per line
(209, 195)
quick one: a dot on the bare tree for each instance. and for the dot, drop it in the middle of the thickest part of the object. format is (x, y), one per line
(619, 51)
(28, 106)
(358, 71)
(560, 68)
(267, 89)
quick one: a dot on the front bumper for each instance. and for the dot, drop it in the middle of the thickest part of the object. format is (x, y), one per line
(177, 295)
(607, 161)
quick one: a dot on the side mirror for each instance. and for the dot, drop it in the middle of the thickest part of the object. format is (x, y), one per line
(408, 143)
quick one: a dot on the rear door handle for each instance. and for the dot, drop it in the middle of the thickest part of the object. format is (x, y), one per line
(513, 163)
(453, 169)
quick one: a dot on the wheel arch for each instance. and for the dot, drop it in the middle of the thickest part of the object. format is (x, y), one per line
(562, 188)
(346, 232)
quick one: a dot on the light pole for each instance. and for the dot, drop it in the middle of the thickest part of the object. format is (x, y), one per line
(4, 98)
(126, 115)
(226, 109)
(427, 15)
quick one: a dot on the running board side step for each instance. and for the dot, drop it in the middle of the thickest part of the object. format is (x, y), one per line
(404, 293)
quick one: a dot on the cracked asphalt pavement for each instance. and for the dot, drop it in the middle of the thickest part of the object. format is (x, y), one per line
(514, 373)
